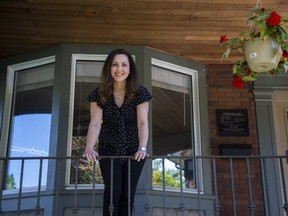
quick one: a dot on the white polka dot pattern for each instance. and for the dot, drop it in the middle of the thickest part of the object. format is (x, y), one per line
(119, 132)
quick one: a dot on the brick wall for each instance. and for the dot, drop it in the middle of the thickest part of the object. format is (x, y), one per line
(222, 95)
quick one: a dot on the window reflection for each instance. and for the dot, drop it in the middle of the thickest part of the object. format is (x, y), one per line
(172, 127)
(87, 79)
(30, 138)
(30, 126)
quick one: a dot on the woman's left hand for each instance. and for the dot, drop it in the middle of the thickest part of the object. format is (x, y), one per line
(140, 154)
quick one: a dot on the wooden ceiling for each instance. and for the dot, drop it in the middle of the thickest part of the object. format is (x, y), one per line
(188, 28)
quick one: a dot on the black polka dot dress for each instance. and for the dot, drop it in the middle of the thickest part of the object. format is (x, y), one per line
(119, 131)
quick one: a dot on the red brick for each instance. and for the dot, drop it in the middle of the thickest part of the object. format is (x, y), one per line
(222, 95)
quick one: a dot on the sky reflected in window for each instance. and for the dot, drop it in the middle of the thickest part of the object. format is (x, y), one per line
(30, 138)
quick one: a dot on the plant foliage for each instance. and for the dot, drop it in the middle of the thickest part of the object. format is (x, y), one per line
(263, 23)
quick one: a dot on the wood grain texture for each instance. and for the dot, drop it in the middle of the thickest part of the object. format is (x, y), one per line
(188, 28)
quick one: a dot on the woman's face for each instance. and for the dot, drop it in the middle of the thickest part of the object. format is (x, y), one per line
(120, 68)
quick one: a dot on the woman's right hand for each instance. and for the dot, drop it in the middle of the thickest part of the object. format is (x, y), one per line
(91, 154)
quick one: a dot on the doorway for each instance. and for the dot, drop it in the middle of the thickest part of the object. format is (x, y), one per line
(280, 107)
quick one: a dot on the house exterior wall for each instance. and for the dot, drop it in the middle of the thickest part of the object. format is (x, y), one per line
(61, 198)
(222, 95)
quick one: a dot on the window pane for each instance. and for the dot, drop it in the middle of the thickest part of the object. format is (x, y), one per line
(30, 125)
(172, 126)
(87, 79)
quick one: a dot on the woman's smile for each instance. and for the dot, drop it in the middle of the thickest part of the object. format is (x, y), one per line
(120, 68)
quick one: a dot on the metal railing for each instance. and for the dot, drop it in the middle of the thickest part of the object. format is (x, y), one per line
(237, 185)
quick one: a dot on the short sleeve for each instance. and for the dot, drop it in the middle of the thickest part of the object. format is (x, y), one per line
(95, 97)
(143, 95)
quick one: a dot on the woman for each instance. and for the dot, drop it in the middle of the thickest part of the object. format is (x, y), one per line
(119, 121)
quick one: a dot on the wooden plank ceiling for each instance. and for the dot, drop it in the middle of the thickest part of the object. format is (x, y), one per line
(188, 28)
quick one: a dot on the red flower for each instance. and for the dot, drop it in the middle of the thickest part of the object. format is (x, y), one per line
(238, 82)
(285, 54)
(223, 39)
(274, 19)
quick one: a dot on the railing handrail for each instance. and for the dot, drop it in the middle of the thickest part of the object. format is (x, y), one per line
(230, 180)
(153, 157)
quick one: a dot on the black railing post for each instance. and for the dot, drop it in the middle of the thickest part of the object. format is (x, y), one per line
(251, 205)
(111, 206)
(182, 206)
(129, 186)
(164, 186)
(20, 187)
(233, 187)
(285, 206)
(58, 171)
(263, 162)
(147, 206)
(75, 208)
(93, 188)
(38, 208)
(198, 185)
(216, 206)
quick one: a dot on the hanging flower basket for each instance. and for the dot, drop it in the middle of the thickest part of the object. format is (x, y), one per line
(264, 46)
(262, 55)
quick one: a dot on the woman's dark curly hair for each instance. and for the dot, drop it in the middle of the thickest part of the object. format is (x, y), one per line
(106, 81)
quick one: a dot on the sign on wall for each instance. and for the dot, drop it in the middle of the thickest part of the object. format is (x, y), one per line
(232, 122)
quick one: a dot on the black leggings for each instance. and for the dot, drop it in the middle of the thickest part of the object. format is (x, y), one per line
(120, 183)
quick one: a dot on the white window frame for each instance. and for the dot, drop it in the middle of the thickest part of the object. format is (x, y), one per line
(196, 114)
(74, 59)
(11, 71)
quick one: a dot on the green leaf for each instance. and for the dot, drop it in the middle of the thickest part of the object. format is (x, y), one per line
(248, 78)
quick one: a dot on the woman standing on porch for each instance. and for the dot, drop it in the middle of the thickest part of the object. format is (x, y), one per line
(119, 121)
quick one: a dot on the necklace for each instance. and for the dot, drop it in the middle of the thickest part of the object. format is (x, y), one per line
(119, 96)
(119, 93)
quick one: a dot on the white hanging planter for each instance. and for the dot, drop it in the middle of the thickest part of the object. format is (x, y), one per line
(262, 55)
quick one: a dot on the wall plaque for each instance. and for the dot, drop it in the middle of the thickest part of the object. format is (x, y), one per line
(232, 122)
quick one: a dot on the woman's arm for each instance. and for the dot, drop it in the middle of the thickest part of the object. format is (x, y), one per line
(93, 131)
(143, 132)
